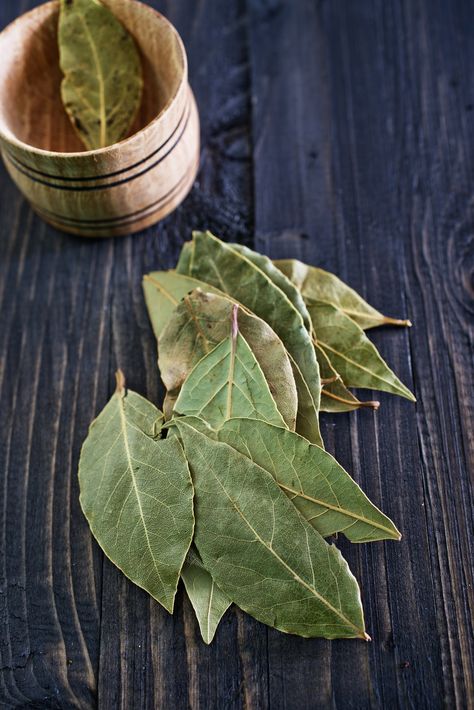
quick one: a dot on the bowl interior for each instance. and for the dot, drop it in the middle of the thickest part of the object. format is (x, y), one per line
(30, 101)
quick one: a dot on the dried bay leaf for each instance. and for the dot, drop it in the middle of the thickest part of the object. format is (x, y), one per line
(322, 491)
(137, 494)
(199, 323)
(102, 86)
(184, 264)
(335, 397)
(222, 266)
(319, 285)
(307, 416)
(261, 552)
(208, 600)
(228, 382)
(279, 279)
(351, 353)
(320, 488)
(163, 291)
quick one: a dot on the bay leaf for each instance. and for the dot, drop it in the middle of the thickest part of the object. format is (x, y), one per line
(351, 353)
(228, 382)
(279, 279)
(137, 494)
(307, 416)
(199, 323)
(163, 291)
(184, 264)
(218, 264)
(261, 552)
(321, 490)
(319, 285)
(208, 600)
(102, 85)
(335, 397)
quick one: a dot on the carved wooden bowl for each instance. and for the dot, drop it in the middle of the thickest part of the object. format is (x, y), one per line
(114, 190)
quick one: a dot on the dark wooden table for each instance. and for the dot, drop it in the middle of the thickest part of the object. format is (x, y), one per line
(338, 132)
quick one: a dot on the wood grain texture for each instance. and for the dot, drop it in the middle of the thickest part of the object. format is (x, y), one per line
(337, 132)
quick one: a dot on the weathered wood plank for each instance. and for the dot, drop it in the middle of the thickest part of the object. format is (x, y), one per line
(362, 164)
(76, 633)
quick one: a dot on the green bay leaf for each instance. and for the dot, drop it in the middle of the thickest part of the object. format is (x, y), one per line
(351, 353)
(307, 416)
(335, 397)
(137, 494)
(199, 323)
(208, 600)
(222, 266)
(320, 285)
(266, 265)
(184, 264)
(261, 552)
(228, 382)
(163, 291)
(320, 488)
(322, 491)
(102, 85)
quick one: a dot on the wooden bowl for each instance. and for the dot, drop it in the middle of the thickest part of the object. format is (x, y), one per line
(115, 190)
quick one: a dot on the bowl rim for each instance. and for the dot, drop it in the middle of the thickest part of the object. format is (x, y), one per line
(11, 139)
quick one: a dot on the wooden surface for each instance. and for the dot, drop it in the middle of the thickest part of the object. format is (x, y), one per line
(339, 132)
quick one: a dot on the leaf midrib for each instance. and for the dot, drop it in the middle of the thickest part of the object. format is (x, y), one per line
(394, 385)
(208, 615)
(337, 509)
(100, 79)
(123, 426)
(360, 632)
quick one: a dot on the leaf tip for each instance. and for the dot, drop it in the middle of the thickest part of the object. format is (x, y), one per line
(120, 382)
(366, 636)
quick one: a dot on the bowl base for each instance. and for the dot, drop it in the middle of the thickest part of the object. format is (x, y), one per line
(131, 224)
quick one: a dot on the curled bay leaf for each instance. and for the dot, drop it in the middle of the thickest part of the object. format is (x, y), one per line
(261, 552)
(319, 285)
(102, 85)
(278, 277)
(208, 600)
(228, 382)
(222, 266)
(351, 353)
(137, 494)
(199, 323)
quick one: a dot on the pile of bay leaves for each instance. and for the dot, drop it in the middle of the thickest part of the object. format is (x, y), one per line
(230, 488)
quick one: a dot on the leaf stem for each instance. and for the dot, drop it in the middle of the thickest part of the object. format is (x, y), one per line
(120, 380)
(372, 404)
(397, 321)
